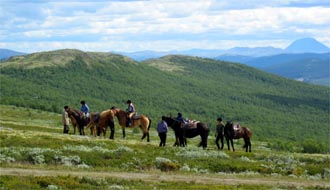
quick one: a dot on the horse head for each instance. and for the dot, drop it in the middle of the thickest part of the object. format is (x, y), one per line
(172, 122)
(72, 112)
(229, 129)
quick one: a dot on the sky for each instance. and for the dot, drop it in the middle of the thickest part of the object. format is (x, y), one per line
(160, 25)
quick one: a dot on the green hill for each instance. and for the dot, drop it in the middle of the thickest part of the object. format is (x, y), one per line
(276, 109)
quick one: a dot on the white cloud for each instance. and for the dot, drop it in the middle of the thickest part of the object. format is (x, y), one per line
(161, 25)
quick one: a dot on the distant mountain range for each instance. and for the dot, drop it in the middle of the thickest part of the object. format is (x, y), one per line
(305, 45)
(305, 60)
(307, 67)
(6, 53)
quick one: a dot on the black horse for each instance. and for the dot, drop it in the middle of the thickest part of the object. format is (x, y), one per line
(241, 132)
(181, 133)
(79, 117)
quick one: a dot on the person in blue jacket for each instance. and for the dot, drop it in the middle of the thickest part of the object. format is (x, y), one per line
(85, 109)
(162, 129)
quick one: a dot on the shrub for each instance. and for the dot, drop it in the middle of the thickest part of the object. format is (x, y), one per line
(311, 146)
(165, 164)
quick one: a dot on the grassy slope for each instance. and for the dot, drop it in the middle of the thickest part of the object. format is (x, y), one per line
(37, 156)
(203, 89)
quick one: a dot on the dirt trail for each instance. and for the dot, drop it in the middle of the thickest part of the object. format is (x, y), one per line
(152, 177)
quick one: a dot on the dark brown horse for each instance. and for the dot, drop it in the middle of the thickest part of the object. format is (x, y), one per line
(232, 131)
(79, 118)
(181, 132)
(141, 121)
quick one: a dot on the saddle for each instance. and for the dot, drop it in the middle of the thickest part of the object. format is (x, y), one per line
(136, 116)
(236, 128)
(97, 117)
(192, 124)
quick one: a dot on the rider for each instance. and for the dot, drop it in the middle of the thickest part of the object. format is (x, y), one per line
(181, 118)
(84, 108)
(130, 112)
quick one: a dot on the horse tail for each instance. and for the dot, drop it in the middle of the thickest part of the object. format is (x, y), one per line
(149, 123)
(249, 132)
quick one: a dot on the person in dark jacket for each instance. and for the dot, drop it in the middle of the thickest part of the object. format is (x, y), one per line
(219, 133)
(130, 112)
(181, 118)
(162, 129)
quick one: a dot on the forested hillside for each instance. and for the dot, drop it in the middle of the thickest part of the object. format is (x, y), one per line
(276, 109)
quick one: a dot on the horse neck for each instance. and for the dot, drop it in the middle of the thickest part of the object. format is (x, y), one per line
(172, 123)
(75, 114)
(120, 114)
(229, 129)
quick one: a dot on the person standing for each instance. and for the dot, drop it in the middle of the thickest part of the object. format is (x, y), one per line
(219, 133)
(65, 120)
(162, 129)
(130, 112)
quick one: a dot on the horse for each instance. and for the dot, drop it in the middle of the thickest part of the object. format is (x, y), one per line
(141, 121)
(99, 123)
(182, 132)
(74, 124)
(241, 132)
(176, 126)
(93, 124)
(79, 118)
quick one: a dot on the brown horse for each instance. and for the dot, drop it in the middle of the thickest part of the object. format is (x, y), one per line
(93, 123)
(78, 116)
(74, 124)
(90, 125)
(240, 132)
(99, 123)
(141, 121)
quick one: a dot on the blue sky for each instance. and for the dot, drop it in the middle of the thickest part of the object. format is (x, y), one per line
(42, 25)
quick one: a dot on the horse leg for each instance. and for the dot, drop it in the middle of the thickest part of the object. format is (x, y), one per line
(232, 144)
(80, 130)
(148, 137)
(245, 145)
(228, 144)
(183, 141)
(249, 145)
(176, 143)
(204, 142)
(143, 136)
(98, 131)
(124, 133)
(112, 132)
(74, 129)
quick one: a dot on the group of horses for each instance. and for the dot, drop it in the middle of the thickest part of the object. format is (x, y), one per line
(99, 122)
